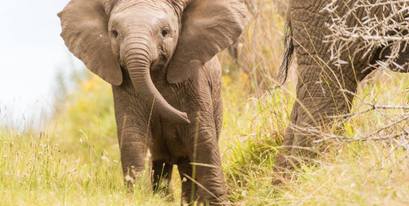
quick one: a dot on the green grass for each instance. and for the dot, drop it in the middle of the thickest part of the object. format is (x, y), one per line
(76, 161)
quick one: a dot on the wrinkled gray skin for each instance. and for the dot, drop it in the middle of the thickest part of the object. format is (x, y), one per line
(159, 56)
(320, 87)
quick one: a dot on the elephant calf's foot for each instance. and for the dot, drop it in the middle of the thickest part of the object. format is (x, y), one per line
(161, 177)
(130, 177)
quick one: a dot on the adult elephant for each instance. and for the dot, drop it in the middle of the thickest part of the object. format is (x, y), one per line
(159, 57)
(326, 86)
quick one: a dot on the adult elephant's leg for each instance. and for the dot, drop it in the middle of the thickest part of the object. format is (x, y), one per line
(324, 90)
(322, 95)
(131, 129)
(284, 160)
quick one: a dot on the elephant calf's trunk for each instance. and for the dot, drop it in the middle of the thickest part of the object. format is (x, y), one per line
(139, 71)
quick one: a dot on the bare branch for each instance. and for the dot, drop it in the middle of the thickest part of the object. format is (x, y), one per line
(367, 26)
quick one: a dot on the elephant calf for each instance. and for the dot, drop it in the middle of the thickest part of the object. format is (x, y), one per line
(159, 56)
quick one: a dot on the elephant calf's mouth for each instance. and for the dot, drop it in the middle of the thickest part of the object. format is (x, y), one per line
(160, 63)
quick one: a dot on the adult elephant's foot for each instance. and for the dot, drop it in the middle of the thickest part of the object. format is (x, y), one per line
(284, 167)
(283, 170)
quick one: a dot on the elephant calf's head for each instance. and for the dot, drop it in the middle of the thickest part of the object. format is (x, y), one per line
(145, 35)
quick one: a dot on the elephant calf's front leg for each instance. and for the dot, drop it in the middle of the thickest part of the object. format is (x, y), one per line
(202, 171)
(133, 154)
(131, 132)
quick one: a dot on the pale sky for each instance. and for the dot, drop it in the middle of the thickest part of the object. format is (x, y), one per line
(31, 54)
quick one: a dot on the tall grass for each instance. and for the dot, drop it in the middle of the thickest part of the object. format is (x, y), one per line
(260, 47)
(76, 161)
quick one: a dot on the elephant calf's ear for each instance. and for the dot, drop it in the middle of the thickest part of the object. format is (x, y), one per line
(208, 27)
(85, 32)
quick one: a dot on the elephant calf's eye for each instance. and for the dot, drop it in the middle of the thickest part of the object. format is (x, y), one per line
(114, 33)
(165, 32)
